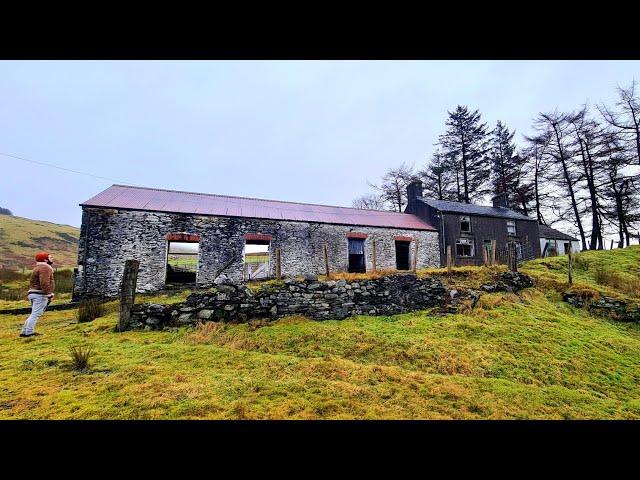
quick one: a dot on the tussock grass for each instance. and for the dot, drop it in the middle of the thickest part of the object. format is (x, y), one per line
(617, 280)
(80, 356)
(89, 310)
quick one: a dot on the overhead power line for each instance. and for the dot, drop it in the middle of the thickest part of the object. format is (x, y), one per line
(51, 165)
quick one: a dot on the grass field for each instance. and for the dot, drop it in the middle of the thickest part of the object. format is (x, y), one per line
(514, 356)
(21, 238)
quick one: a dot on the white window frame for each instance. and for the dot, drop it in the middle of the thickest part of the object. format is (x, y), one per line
(509, 224)
(465, 241)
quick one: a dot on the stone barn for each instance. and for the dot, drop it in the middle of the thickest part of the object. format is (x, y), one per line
(198, 239)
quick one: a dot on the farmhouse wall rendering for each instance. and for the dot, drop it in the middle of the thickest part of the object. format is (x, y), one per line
(125, 222)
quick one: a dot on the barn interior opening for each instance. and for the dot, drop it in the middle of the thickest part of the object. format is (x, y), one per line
(182, 262)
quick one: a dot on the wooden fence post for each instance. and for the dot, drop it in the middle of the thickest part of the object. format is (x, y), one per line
(514, 257)
(449, 259)
(570, 255)
(493, 252)
(375, 263)
(326, 260)
(278, 265)
(485, 257)
(127, 293)
(415, 255)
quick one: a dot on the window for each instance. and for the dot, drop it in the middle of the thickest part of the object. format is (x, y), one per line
(511, 227)
(464, 247)
(402, 255)
(465, 224)
(356, 255)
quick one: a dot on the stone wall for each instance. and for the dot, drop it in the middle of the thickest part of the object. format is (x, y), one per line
(108, 237)
(319, 300)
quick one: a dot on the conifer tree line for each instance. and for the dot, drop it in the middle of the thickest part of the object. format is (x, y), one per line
(579, 167)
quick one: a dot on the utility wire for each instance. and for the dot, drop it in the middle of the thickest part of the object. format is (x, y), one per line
(64, 169)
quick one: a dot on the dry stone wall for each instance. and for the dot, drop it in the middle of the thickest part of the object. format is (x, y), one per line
(319, 300)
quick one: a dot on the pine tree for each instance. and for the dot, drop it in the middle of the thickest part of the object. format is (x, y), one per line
(464, 145)
(437, 179)
(504, 161)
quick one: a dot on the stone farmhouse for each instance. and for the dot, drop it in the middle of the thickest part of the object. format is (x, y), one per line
(184, 237)
(201, 239)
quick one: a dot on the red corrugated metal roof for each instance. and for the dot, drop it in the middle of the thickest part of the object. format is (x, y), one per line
(141, 198)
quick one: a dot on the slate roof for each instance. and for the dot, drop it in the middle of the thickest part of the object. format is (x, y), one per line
(159, 200)
(471, 209)
(552, 233)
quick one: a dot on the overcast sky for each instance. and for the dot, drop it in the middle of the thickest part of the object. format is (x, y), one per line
(307, 131)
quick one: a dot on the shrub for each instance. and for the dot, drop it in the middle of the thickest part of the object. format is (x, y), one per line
(80, 357)
(89, 310)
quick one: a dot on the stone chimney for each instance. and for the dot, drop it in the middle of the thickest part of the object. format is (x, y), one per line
(501, 200)
(414, 190)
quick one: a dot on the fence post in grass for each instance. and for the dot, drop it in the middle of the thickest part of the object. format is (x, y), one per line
(514, 257)
(127, 293)
(449, 259)
(493, 252)
(570, 255)
(485, 259)
(326, 260)
(414, 267)
(278, 265)
(375, 259)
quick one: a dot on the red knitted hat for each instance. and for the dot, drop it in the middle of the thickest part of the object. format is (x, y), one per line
(42, 256)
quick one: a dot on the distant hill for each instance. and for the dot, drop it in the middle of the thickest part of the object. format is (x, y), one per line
(5, 211)
(21, 238)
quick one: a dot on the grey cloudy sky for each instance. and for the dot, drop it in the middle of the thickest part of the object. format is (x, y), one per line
(308, 131)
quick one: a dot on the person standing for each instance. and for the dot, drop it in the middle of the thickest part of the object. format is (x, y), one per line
(40, 293)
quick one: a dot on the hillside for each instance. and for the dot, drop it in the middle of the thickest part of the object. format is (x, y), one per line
(21, 238)
(514, 356)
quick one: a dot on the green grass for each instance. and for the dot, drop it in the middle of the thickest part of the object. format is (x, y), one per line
(514, 356)
(21, 238)
(613, 273)
(189, 262)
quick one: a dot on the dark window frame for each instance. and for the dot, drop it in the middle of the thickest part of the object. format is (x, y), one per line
(465, 219)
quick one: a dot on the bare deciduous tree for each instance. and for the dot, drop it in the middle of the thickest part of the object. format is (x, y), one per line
(626, 117)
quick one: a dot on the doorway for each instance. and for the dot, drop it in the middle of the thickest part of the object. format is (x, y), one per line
(256, 259)
(182, 262)
(402, 255)
(356, 256)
